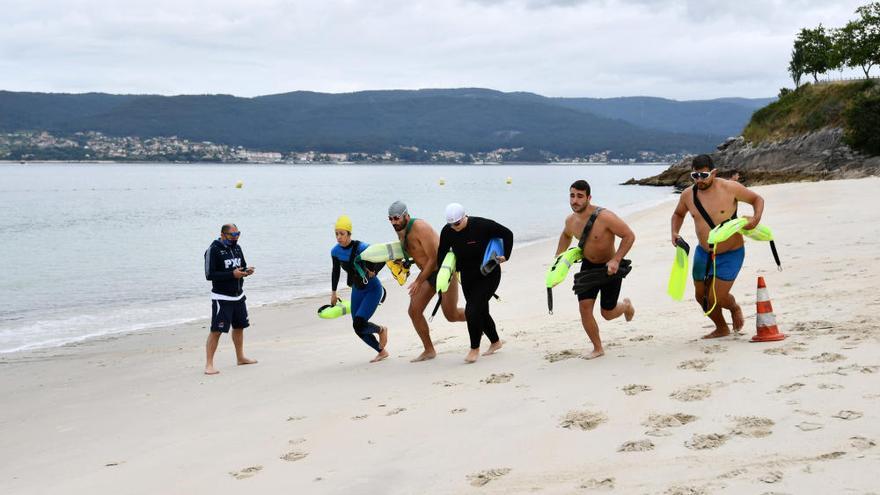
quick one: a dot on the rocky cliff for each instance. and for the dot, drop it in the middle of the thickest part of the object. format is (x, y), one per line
(818, 155)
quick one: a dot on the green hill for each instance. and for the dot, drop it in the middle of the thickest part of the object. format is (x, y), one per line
(852, 106)
(467, 120)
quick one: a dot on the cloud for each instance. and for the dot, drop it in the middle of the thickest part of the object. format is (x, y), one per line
(687, 49)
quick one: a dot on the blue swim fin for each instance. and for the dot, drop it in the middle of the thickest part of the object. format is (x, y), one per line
(493, 250)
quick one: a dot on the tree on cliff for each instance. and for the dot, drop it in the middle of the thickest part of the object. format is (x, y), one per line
(869, 32)
(817, 51)
(796, 65)
(850, 49)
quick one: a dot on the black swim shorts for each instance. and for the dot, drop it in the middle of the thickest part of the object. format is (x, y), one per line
(228, 314)
(610, 291)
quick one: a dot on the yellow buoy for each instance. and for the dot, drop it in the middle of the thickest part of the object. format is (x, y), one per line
(509, 180)
(442, 182)
(239, 184)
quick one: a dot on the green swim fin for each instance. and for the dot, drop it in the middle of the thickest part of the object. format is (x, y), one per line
(679, 275)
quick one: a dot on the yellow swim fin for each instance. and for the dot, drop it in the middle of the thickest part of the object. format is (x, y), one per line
(399, 270)
(679, 275)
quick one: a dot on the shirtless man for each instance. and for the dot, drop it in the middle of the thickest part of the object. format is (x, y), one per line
(420, 241)
(598, 251)
(719, 199)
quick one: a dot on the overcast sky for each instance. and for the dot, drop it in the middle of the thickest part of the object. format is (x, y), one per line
(685, 49)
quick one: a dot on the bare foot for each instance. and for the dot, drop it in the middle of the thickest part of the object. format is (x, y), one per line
(425, 356)
(210, 370)
(630, 310)
(472, 356)
(596, 353)
(244, 361)
(494, 347)
(738, 320)
(382, 355)
(383, 336)
(717, 333)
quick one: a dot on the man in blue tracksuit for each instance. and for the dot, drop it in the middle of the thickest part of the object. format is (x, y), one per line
(226, 268)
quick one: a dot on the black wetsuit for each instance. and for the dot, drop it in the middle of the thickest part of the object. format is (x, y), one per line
(469, 246)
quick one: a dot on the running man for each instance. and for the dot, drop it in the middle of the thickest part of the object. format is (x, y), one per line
(710, 202)
(420, 242)
(596, 229)
(468, 237)
(366, 289)
(226, 268)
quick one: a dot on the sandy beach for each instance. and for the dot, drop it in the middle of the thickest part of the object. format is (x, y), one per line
(662, 413)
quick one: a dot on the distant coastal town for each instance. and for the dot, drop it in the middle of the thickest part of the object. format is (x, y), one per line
(95, 146)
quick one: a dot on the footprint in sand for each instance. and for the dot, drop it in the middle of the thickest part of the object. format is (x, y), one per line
(498, 378)
(294, 455)
(771, 477)
(830, 456)
(791, 387)
(296, 418)
(634, 389)
(395, 411)
(862, 443)
(703, 442)
(458, 410)
(713, 349)
(733, 474)
(686, 490)
(658, 421)
(246, 472)
(636, 446)
(692, 393)
(444, 383)
(785, 350)
(856, 368)
(695, 364)
(847, 415)
(830, 386)
(358, 418)
(596, 484)
(583, 420)
(562, 355)
(828, 357)
(752, 426)
(483, 477)
(809, 426)
(641, 338)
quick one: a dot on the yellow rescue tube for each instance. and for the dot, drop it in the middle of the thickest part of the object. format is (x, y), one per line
(447, 270)
(380, 253)
(328, 312)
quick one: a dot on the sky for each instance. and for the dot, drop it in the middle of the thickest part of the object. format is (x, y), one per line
(686, 49)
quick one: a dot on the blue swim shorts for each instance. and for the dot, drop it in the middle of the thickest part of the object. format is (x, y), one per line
(727, 265)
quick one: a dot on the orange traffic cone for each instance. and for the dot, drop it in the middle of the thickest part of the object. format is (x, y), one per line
(766, 320)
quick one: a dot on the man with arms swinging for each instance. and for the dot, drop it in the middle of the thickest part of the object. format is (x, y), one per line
(710, 202)
(420, 242)
(598, 250)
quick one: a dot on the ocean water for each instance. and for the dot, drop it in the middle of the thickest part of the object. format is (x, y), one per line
(96, 249)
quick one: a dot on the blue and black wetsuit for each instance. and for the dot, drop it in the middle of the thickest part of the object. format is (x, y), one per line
(469, 246)
(365, 297)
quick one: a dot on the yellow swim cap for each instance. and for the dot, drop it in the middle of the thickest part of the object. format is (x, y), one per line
(343, 223)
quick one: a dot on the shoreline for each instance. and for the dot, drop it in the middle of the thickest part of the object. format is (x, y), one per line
(309, 293)
(331, 163)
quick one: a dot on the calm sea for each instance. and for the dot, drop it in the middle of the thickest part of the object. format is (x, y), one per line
(99, 249)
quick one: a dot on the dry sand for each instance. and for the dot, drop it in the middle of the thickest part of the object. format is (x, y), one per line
(663, 412)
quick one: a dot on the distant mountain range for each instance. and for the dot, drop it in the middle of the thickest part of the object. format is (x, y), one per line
(466, 120)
